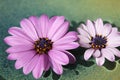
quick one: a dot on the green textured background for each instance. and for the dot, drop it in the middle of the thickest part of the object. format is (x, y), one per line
(76, 11)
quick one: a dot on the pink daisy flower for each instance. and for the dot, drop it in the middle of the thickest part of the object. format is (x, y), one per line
(100, 39)
(41, 43)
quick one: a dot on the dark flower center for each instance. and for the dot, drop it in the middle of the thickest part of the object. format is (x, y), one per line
(43, 45)
(98, 42)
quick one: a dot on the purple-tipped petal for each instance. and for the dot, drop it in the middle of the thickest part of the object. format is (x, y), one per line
(68, 38)
(19, 48)
(88, 54)
(29, 29)
(44, 24)
(59, 57)
(72, 59)
(55, 26)
(108, 54)
(31, 64)
(97, 54)
(100, 61)
(23, 60)
(61, 32)
(38, 70)
(68, 46)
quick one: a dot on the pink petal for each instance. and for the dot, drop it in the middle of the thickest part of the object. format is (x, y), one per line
(31, 64)
(99, 26)
(29, 29)
(19, 48)
(24, 59)
(38, 70)
(91, 28)
(72, 59)
(68, 46)
(15, 31)
(34, 21)
(46, 62)
(108, 54)
(18, 55)
(97, 54)
(107, 29)
(61, 32)
(55, 26)
(52, 20)
(14, 40)
(68, 38)
(43, 24)
(88, 53)
(59, 57)
(100, 61)
(57, 68)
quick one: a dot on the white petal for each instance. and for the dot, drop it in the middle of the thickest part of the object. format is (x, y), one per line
(108, 54)
(88, 53)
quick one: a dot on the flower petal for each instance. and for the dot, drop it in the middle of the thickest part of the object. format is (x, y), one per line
(15, 31)
(100, 60)
(13, 41)
(88, 53)
(108, 54)
(68, 38)
(97, 54)
(91, 28)
(115, 51)
(57, 68)
(19, 48)
(107, 29)
(30, 65)
(43, 24)
(72, 59)
(84, 39)
(55, 26)
(68, 46)
(34, 21)
(61, 32)
(113, 38)
(59, 57)
(23, 60)
(83, 32)
(29, 29)
(99, 26)
(46, 62)
(38, 70)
